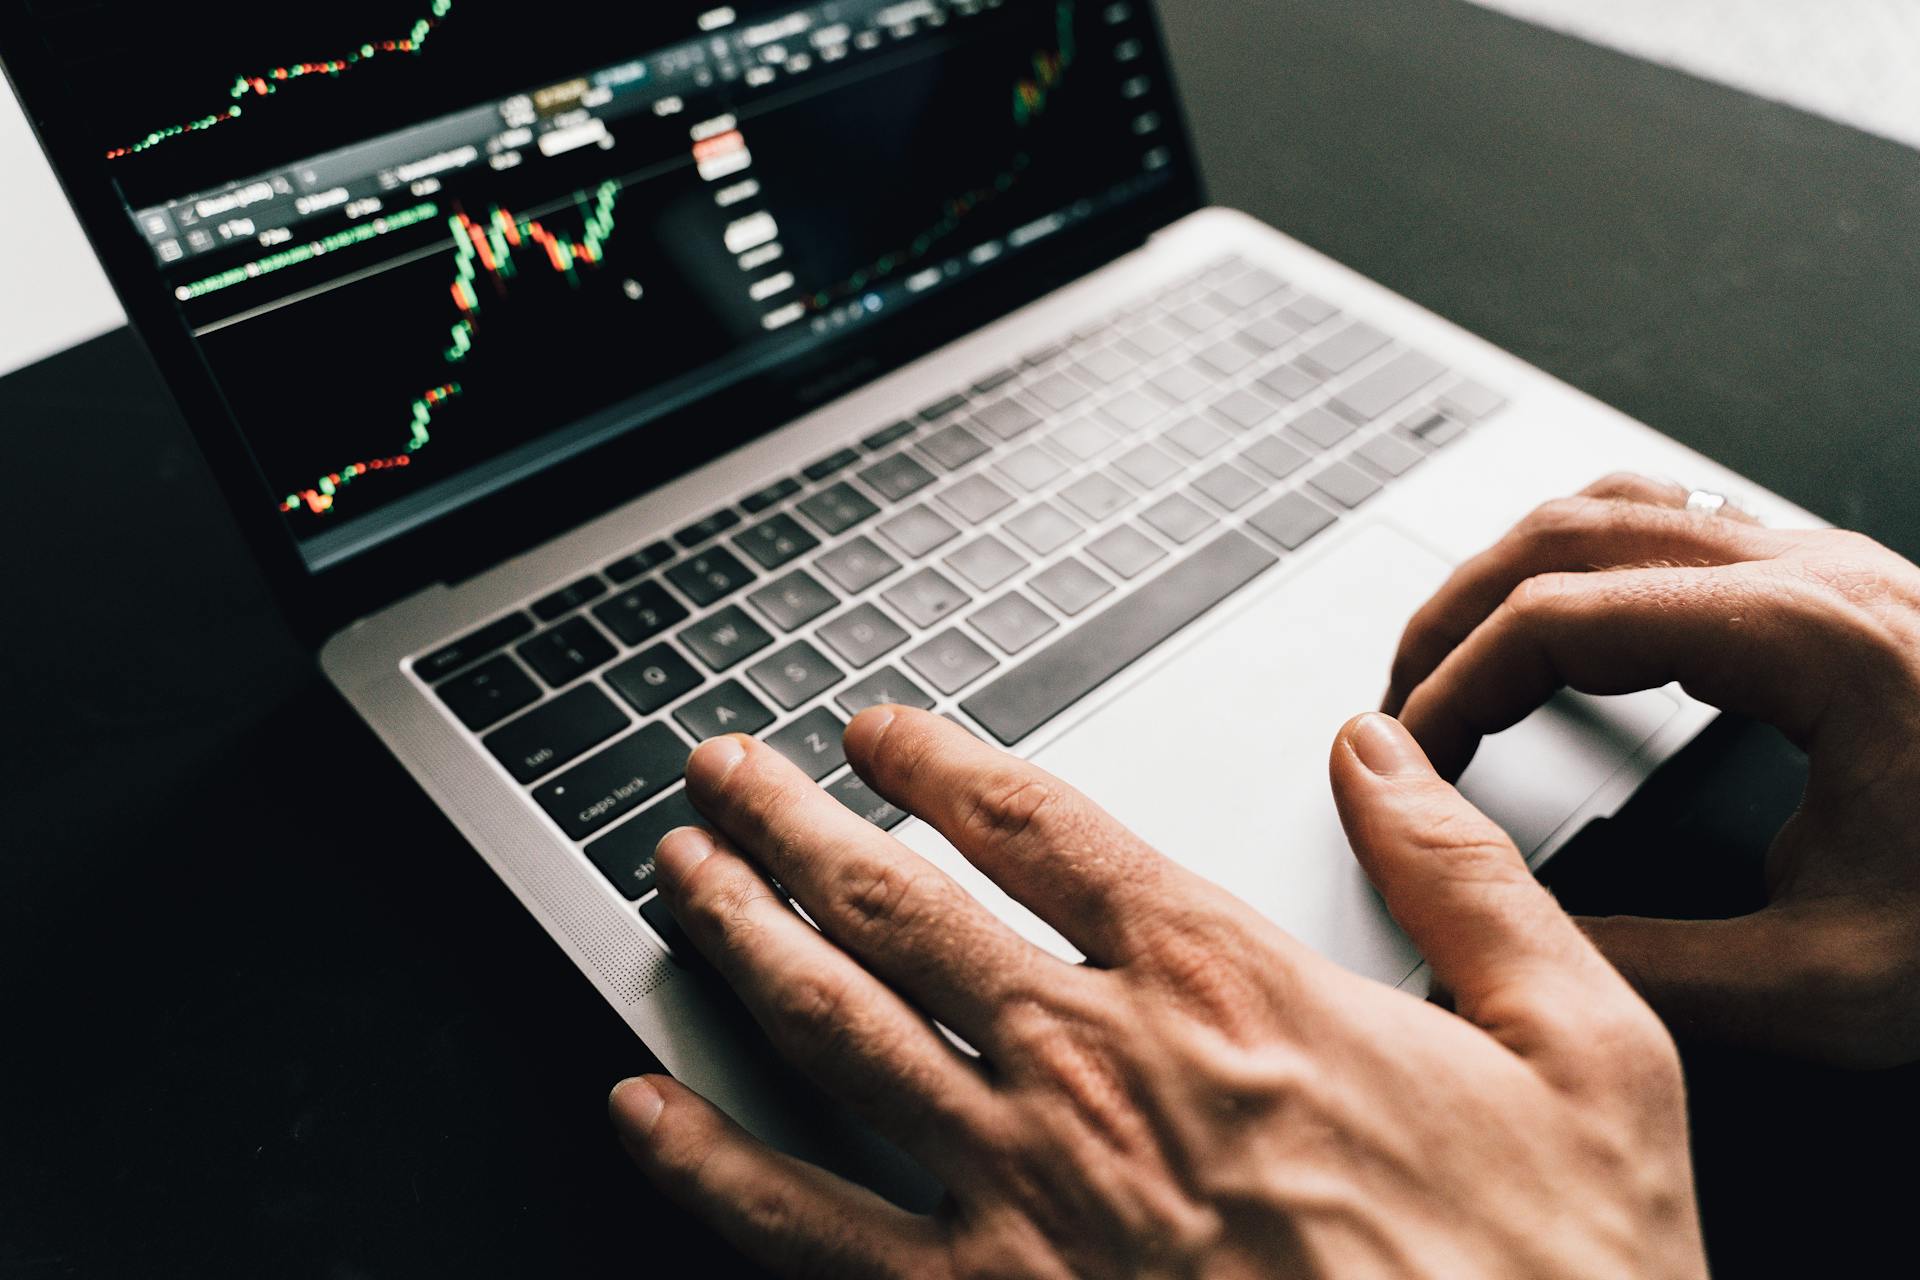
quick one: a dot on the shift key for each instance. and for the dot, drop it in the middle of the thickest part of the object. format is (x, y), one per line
(618, 780)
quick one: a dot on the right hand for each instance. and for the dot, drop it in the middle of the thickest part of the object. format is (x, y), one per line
(1816, 632)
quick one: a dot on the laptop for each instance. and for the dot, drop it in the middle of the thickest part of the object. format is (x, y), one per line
(591, 387)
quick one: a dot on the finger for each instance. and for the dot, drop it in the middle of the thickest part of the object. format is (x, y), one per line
(1566, 536)
(1733, 637)
(904, 918)
(789, 1216)
(1102, 887)
(1503, 948)
(1811, 983)
(1661, 493)
(825, 1014)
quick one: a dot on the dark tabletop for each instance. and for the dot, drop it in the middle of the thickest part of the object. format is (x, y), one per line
(263, 1013)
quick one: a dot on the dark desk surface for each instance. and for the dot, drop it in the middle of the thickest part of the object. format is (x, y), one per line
(263, 1013)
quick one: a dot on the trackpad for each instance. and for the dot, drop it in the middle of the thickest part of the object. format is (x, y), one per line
(1216, 749)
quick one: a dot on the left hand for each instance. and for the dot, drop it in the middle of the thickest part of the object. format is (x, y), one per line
(1206, 1097)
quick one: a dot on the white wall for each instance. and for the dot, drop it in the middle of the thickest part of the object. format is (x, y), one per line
(1853, 60)
(52, 294)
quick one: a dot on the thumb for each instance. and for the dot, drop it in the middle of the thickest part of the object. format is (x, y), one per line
(1453, 880)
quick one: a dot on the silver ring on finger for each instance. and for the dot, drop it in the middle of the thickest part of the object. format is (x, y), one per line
(1706, 503)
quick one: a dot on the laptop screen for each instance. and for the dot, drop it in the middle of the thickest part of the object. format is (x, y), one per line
(428, 248)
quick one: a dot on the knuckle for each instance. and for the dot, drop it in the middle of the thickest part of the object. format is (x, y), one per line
(813, 1013)
(1007, 803)
(1556, 519)
(885, 900)
(1542, 596)
(1465, 843)
(1618, 484)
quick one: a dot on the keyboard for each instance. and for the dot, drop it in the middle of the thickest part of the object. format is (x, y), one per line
(996, 557)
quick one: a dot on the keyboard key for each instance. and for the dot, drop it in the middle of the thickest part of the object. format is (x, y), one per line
(625, 854)
(1183, 383)
(710, 576)
(887, 435)
(918, 531)
(1346, 348)
(896, 478)
(986, 562)
(795, 674)
(489, 693)
(1311, 311)
(1276, 457)
(1045, 355)
(590, 796)
(953, 447)
(567, 652)
(925, 598)
(660, 918)
(1043, 528)
(1394, 456)
(450, 658)
(831, 465)
(1058, 392)
(1346, 484)
(939, 410)
(654, 678)
(725, 708)
(1085, 439)
(1227, 357)
(1321, 428)
(712, 527)
(1108, 364)
(1012, 622)
(1199, 316)
(1046, 684)
(863, 635)
(1269, 333)
(722, 639)
(771, 496)
(568, 598)
(640, 614)
(1126, 551)
(1435, 428)
(642, 561)
(776, 541)
(813, 742)
(1387, 386)
(1472, 401)
(1031, 467)
(1293, 520)
(853, 792)
(1007, 419)
(1147, 466)
(1245, 410)
(1290, 382)
(1196, 437)
(1096, 497)
(1180, 519)
(793, 601)
(838, 509)
(994, 381)
(1152, 340)
(976, 499)
(856, 565)
(950, 662)
(1070, 586)
(1132, 411)
(885, 687)
(1229, 487)
(1254, 286)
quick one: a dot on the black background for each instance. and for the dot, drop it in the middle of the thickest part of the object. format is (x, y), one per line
(261, 1011)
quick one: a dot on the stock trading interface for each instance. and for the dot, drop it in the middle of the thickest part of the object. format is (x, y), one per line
(427, 246)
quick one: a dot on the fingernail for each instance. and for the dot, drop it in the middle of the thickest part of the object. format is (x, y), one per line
(714, 759)
(635, 1104)
(1385, 747)
(679, 852)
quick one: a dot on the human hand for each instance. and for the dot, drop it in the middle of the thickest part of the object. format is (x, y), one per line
(1205, 1097)
(1814, 631)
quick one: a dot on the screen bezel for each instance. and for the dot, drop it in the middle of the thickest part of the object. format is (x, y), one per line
(540, 507)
